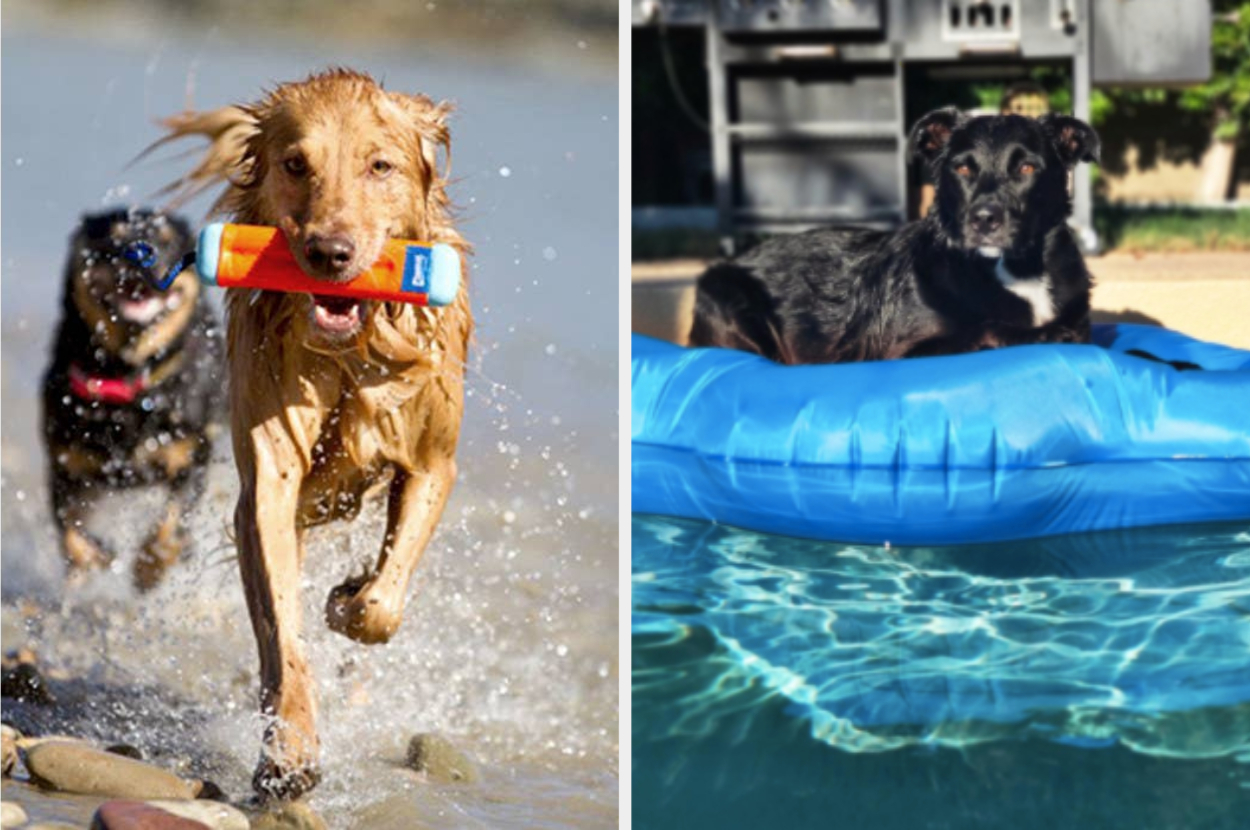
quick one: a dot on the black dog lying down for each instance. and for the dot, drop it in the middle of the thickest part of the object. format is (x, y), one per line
(993, 264)
(134, 385)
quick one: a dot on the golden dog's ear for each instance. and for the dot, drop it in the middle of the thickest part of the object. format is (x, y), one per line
(228, 159)
(430, 120)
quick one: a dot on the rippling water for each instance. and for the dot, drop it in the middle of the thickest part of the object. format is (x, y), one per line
(1093, 675)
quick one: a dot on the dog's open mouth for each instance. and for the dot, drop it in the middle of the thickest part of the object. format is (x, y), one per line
(143, 307)
(337, 315)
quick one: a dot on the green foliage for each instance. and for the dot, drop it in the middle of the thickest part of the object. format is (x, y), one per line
(1172, 229)
(1227, 95)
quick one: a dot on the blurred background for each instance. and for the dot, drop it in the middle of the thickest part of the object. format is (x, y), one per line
(773, 117)
(509, 646)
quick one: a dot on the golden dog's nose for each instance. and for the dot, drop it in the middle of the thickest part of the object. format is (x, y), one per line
(329, 255)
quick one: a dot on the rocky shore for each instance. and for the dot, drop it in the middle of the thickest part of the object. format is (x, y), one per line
(121, 790)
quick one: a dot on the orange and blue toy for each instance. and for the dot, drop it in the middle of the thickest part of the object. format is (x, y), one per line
(253, 256)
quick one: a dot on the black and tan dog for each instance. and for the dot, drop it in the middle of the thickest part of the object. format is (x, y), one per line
(993, 264)
(135, 383)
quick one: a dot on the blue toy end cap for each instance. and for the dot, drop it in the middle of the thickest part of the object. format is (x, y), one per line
(208, 252)
(444, 274)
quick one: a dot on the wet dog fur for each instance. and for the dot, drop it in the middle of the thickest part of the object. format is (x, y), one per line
(331, 399)
(133, 391)
(993, 263)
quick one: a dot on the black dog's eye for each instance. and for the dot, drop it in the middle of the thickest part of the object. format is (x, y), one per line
(964, 170)
(382, 168)
(1028, 169)
(297, 166)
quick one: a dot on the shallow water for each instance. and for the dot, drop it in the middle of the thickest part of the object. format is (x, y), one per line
(509, 644)
(1100, 680)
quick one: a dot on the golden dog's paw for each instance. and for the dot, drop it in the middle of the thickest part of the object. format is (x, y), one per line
(274, 781)
(356, 609)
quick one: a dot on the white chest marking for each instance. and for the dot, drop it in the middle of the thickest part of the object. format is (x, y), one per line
(1035, 291)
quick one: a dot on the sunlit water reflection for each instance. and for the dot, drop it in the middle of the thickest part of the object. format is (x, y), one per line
(1066, 648)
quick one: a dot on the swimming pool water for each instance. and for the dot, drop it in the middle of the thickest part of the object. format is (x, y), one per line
(1100, 680)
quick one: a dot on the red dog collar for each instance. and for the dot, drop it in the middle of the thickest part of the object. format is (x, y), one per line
(106, 390)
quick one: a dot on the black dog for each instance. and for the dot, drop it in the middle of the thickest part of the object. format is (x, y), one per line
(135, 383)
(993, 264)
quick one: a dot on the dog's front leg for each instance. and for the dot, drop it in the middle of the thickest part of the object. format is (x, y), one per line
(184, 462)
(70, 505)
(370, 610)
(269, 557)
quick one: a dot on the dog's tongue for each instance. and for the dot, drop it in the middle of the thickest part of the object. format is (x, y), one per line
(336, 313)
(142, 310)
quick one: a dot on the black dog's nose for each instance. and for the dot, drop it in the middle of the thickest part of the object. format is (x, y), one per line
(987, 219)
(329, 255)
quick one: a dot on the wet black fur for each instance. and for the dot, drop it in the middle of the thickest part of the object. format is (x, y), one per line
(185, 404)
(841, 295)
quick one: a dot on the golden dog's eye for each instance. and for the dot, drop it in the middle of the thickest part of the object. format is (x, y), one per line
(297, 166)
(964, 170)
(382, 168)
(1028, 169)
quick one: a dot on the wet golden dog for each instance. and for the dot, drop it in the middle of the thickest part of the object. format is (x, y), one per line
(330, 397)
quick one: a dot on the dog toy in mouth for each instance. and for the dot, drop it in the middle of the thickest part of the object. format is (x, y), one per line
(251, 256)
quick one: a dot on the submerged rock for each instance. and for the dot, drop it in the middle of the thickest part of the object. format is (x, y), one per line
(25, 684)
(291, 816)
(211, 792)
(11, 815)
(136, 815)
(126, 751)
(435, 757)
(75, 768)
(8, 747)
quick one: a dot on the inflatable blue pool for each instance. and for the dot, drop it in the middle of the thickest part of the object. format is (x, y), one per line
(1010, 444)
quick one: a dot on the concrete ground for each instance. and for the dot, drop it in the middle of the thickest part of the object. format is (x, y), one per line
(1204, 295)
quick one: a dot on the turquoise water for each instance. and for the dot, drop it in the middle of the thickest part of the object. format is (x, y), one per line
(1098, 681)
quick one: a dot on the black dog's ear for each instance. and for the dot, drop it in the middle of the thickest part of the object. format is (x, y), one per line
(1074, 140)
(931, 134)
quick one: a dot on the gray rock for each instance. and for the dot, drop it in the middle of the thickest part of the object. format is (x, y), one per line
(294, 815)
(11, 815)
(398, 812)
(72, 767)
(52, 825)
(214, 814)
(438, 760)
(126, 751)
(8, 747)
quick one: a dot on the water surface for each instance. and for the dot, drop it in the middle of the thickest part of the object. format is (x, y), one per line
(1100, 680)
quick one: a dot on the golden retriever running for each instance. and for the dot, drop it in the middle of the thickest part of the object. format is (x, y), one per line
(329, 397)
